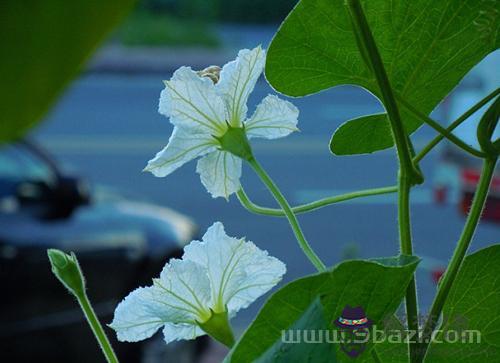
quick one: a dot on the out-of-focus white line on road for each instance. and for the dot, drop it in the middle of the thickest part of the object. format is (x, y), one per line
(98, 145)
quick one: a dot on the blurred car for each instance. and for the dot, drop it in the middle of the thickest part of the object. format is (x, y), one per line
(456, 182)
(458, 174)
(120, 244)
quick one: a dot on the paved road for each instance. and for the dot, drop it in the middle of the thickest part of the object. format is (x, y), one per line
(107, 127)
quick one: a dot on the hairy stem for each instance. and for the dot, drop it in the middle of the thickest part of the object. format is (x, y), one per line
(292, 219)
(408, 173)
(405, 238)
(97, 329)
(368, 46)
(459, 254)
(443, 131)
(455, 124)
(308, 207)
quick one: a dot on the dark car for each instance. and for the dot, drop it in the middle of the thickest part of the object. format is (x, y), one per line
(120, 244)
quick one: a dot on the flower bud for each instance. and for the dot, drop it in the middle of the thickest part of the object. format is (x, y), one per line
(212, 72)
(66, 268)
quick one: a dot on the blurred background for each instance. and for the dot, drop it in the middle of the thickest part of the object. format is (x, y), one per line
(74, 182)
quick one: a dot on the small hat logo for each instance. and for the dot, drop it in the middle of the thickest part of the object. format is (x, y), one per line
(354, 327)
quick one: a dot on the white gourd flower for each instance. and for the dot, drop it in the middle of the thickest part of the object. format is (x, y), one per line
(216, 277)
(202, 112)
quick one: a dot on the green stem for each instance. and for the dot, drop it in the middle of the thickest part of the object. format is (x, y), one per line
(443, 131)
(408, 173)
(404, 214)
(97, 329)
(292, 219)
(308, 207)
(463, 244)
(415, 163)
(405, 238)
(369, 48)
(456, 123)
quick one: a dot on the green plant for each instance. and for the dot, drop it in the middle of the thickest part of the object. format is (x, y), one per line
(410, 55)
(44, 45)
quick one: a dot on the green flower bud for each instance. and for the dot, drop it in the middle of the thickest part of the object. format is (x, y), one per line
(236, 142)
(67, 270)
(218, 328)
(486, 128)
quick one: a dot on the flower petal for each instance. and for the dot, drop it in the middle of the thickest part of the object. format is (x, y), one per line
(260, 274)
(172, 332)
(239, 272)
(191, 102)
(186, 286)
(177, 300)
(237, 80)
(182, 147)
(185, 74)
(220, 173)
(272, 119)
(141, 314)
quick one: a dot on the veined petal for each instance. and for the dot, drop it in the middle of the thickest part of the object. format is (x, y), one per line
(260, 273)
(220, 173)
(179, 298)
(239, 271)
(272, 119)
(237, 80)
(184, 74)
(191, 102)
(217, 273)
(186, 286)
(182, 147)
(172, 332)
(142, 313)
(212, 253)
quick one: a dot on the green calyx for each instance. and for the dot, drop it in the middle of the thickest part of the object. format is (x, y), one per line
(217, 326)
(486, 128)
(67, 270)
(236, 142)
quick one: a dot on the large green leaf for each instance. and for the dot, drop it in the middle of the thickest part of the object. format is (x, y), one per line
(427, 46)
(43, 45)
(391, 350)
(376, 285)
(313, 319)
(473, 305)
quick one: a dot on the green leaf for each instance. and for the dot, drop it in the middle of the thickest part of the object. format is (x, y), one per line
(43, 45)
(361, 135)
(377, 285)
(313, 319)
(393, 347)
(427, 46)
(473, 305)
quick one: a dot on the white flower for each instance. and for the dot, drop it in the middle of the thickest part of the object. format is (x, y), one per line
(202, 112)
(219, 275)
